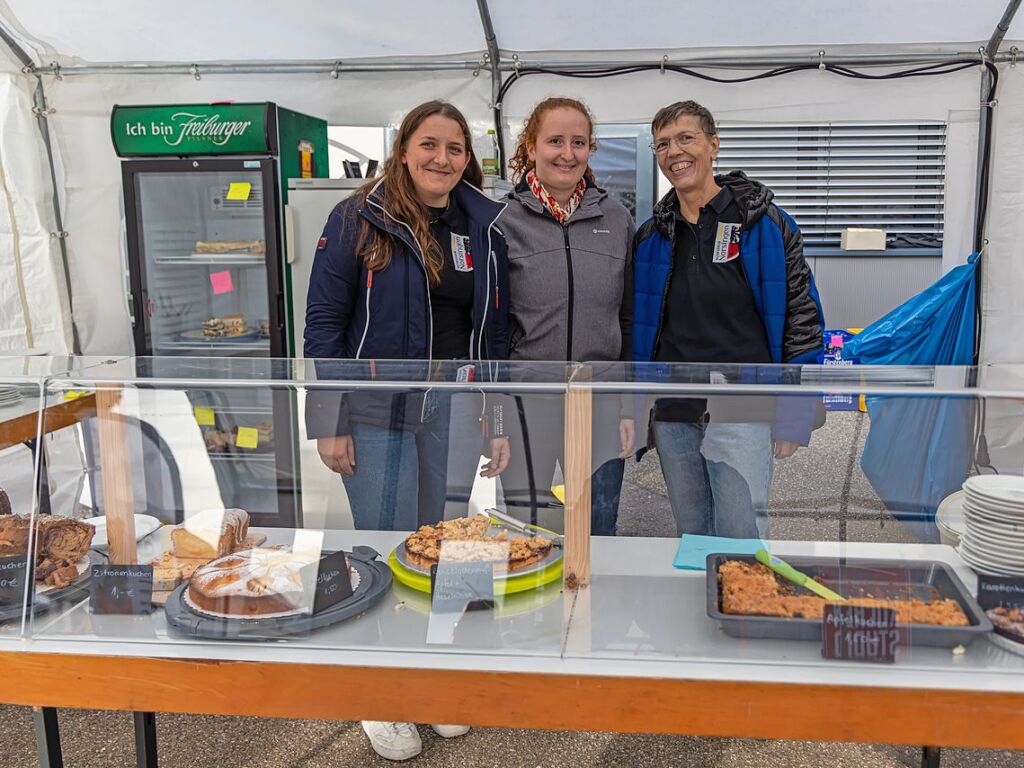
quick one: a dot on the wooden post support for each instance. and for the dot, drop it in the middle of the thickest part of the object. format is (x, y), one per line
(115, 460)
(577, 471)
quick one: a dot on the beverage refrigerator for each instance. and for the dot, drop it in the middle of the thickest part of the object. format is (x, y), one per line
(205, 189)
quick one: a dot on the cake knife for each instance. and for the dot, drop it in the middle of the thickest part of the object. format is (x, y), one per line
(787, 571)
(530, 530)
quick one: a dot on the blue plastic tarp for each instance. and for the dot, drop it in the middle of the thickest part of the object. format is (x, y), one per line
(918, 449)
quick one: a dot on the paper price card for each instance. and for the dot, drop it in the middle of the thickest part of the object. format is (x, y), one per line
(221, 282)
(248, 437)
(204, 416)
(239, 190)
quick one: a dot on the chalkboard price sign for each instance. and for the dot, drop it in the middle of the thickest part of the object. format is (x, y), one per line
(333, 582)
(859, 633)
(13, 571)
(455, 587)
(126, 589)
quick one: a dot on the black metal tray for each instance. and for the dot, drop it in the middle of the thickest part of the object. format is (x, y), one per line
(851, 577)
(375, 581)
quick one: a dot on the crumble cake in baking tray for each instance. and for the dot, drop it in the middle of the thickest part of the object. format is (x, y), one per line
(933, 606)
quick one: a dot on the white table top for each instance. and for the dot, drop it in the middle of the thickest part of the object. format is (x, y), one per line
(639, 617)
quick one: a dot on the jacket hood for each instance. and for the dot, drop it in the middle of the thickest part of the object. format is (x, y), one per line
(523, 194)
(751, 196)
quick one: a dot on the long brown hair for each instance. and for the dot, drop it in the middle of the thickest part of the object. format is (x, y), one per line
(520, 163)
(399, 194)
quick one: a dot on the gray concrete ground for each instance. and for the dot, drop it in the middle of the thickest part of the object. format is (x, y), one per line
(823, 480)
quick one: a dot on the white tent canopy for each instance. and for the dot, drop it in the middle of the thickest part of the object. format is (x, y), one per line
(390, 56)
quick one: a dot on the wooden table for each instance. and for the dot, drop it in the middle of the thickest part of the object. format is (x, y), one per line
(680, 675)
(19, 423)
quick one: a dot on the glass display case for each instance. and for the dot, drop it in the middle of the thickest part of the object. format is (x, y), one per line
(681, 521)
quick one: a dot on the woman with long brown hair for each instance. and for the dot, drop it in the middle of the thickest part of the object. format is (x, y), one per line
(570, 275)
(409, 268)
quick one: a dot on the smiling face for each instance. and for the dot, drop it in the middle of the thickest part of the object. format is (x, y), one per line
(435, 155)
(689, 169)
(561, 150)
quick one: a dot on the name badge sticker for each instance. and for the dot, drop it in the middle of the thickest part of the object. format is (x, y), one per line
(461, 255)
(727, 243)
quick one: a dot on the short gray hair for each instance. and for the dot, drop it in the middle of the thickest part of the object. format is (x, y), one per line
(671, 113)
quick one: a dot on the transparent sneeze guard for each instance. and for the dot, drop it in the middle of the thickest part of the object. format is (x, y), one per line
(849, 475)
(235, 476)
(28, 463)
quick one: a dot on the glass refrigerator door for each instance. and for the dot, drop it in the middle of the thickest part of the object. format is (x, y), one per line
(204, 247)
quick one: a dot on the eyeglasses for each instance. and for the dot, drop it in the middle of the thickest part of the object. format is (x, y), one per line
(681, 140)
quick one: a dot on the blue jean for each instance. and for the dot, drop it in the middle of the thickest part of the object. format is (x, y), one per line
(402, 475)
(718, 476)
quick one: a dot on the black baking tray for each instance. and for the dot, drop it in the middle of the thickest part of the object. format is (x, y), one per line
(375, 581)
(852, 577)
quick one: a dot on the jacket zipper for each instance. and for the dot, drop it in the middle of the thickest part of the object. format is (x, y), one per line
(568, 271)
(422, 263)
(664, 298)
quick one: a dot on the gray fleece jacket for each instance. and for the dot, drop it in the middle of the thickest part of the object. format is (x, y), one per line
(571, 287)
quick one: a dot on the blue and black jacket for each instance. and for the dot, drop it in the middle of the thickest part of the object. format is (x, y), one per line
(355, 314)
(783, 289)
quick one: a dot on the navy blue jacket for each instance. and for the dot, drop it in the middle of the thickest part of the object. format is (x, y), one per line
(352, 313)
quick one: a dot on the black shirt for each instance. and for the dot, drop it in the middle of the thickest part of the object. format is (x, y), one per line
(451, 301)
(710, 315)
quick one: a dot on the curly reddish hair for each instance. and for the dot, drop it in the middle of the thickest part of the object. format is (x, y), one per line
(520, 162)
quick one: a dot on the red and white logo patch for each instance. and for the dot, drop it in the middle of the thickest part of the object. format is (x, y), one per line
(727, 243)
(321, 243)
(461, 255)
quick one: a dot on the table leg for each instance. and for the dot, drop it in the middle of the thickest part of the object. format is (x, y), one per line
(145, 739)
(930, 757)
(47, 737)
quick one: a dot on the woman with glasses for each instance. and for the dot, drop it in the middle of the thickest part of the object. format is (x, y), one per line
(570, 273)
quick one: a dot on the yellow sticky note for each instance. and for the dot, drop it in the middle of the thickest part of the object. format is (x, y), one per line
(558, 491)
(248, 437)
(204, 416)
(239, 190)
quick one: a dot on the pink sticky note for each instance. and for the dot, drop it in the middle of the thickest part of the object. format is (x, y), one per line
(221, 282)
(835, 341)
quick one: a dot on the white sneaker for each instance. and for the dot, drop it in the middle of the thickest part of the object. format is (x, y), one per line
(393, 741)
(450, 731)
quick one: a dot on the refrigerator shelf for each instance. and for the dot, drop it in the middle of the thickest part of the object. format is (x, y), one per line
(229, 260)
(258, 344)
(263, 455)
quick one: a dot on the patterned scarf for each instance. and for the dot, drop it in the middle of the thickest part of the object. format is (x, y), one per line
(561, 214)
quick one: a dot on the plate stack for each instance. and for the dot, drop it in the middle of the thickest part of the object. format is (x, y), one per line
(994, 512)
(9, 395)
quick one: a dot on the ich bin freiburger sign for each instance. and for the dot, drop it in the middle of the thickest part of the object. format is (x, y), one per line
(190, 129)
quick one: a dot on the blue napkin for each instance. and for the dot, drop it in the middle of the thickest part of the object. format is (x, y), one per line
(694, 550)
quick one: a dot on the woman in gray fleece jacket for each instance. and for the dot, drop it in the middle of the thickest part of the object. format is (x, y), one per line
(570, 298)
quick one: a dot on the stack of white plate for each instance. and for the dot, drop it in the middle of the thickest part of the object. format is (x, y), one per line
(994, 512)
(9, 395)
(949, 519)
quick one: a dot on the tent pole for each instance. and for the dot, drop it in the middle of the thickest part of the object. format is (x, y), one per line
(41, 111)
(1002, 28)
(985, 125)
(494, 54)
(329, 67)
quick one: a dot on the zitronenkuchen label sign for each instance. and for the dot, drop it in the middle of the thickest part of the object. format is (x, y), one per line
(191, 129)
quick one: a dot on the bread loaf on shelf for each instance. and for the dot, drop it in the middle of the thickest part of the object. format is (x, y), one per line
(210, 533)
